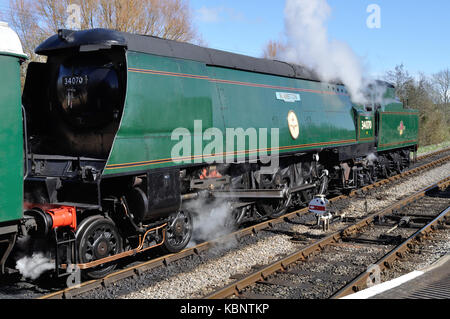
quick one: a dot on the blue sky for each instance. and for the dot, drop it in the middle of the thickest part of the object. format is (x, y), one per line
(413, 32)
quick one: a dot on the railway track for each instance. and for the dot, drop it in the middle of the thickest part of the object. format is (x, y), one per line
(432, 154)
(135, 271)
(365, 248)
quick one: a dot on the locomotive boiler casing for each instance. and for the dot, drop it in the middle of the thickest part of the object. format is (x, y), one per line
(166, 93)
(181, 85)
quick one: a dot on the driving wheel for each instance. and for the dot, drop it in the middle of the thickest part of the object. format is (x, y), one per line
(98, 238)
(178, 232)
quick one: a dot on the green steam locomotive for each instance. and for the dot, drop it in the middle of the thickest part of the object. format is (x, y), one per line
(120, 132)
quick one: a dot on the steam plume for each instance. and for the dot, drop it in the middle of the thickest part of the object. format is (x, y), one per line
(308, 44)
(33, 267)
(211, 219)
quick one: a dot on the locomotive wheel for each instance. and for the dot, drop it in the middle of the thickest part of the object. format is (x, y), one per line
(397, 163)
(307, 196)
(385, 167)
(178, 232)
(274, 208)
(98, 238)
(234, 219)
(307, 178)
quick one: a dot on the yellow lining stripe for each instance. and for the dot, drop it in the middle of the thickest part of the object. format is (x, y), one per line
(161, 161)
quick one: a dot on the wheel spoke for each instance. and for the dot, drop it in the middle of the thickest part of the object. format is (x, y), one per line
(99, 239)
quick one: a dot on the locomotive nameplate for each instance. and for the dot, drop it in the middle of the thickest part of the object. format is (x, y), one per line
(288, 97)
(294, 127)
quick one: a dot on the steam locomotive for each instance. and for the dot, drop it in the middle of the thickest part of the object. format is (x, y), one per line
(122, 131)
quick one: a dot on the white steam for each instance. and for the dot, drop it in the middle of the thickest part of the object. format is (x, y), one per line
(211, 219)
(372, 158)
(33, 267)
(308, 44)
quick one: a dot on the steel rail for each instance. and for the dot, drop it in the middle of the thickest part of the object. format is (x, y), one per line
(165, 260)
(444, 150)
(282, 265)
(360, 282)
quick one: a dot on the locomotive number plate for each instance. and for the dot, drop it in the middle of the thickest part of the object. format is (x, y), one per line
(70, 81)
(366, 125)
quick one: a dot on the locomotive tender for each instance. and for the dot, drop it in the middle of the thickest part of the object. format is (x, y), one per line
(101, 178)
(11, 141)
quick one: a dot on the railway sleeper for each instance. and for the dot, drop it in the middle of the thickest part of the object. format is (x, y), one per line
(278, 282)
(381, 240)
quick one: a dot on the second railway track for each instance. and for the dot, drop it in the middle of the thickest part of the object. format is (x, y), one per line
(361, 251)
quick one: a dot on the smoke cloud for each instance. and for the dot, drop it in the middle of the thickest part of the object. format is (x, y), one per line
(33, 267)
(211, 220)
(372, 158)
(308, 44)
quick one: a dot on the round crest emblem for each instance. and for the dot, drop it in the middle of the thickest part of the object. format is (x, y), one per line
(294, 127)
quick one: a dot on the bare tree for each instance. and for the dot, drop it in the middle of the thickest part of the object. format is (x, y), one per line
(273, 50)
(24, 20)
(52, 14)
(420, 93)
(36, 20)
(442, 84)
(167, 19)
(402, 82)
